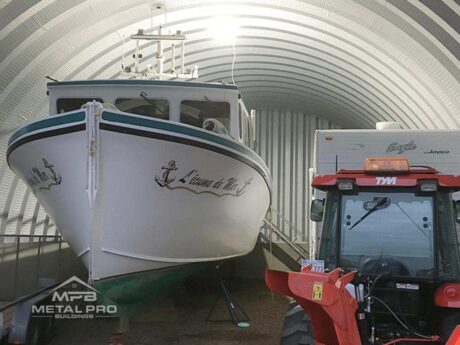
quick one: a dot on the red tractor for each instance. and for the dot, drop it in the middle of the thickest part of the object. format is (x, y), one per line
(391, 260)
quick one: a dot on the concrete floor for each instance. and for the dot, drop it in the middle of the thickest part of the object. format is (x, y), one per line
(181, 320)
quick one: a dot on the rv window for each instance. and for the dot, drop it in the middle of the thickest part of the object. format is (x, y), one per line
(69, 104)
(214, 116)
(157, 108)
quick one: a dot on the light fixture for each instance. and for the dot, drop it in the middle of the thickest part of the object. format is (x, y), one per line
(224, 29)
(345, 184)
(428, 186)
(386, 165)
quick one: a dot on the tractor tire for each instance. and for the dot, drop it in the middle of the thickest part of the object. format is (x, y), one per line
(297, 329)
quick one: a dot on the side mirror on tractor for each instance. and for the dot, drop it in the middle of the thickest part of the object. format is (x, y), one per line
(317, 210)
(457, 210)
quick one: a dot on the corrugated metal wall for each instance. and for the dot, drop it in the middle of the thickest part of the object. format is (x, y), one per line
(285, 140)
(22, 214)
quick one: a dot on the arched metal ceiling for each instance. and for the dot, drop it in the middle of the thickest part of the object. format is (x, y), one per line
(353, 62)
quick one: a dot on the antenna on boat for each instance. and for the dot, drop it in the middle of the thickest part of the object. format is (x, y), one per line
(52, 78)
(157, 70)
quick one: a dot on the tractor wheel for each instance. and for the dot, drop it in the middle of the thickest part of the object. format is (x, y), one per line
(297, 329)
(448, 324)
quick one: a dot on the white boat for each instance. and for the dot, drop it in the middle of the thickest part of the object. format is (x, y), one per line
(145, 176)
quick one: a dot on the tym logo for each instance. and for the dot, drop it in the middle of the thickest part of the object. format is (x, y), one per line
(385, 180)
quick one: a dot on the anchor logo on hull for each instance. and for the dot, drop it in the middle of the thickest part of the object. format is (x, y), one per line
(57, 179)
(165, 180)
(44, 179)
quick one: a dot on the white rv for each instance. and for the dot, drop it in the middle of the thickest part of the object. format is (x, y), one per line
(347, 149)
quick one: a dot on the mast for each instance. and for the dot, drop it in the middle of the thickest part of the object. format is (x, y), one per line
(156, 71)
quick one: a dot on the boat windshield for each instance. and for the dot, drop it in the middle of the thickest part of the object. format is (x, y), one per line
(151, 107)
(214, 116)
(69, 104)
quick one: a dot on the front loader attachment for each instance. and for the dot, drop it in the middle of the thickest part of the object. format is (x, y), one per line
(454, 338)
(331, 308)
(324, 297)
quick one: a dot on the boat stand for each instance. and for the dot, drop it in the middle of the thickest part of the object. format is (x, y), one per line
(234, 309)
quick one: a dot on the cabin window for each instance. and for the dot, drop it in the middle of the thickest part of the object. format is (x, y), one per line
(245, 129)
(151, 107)
(214, 116)
(69, 104)
(240, 120)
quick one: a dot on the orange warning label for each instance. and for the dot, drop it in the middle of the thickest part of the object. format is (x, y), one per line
(317, 292)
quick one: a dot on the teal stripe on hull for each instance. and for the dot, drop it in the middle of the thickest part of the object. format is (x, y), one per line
(49, 122)
(146, 123)
(185, 130)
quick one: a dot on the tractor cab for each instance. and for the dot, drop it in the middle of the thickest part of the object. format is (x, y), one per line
(391, 227)
(390, 217)
(392, 264)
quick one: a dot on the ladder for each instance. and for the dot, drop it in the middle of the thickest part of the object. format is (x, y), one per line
(278, 251)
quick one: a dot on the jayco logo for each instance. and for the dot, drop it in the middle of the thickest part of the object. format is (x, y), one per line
(385, 180)
(401, 148)
(437, 152)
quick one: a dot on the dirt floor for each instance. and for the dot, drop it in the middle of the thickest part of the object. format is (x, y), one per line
(181, 320)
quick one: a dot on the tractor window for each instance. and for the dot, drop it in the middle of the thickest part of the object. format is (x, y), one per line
(447, 237)
(392, 231)
(213, 116)
(151, 107)
(69, 104)
(328, 242)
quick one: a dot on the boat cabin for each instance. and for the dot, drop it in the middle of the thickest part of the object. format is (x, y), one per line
(215, 107)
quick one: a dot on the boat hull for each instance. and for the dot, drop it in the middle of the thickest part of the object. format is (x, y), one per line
(134, 292)
(133, 194)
